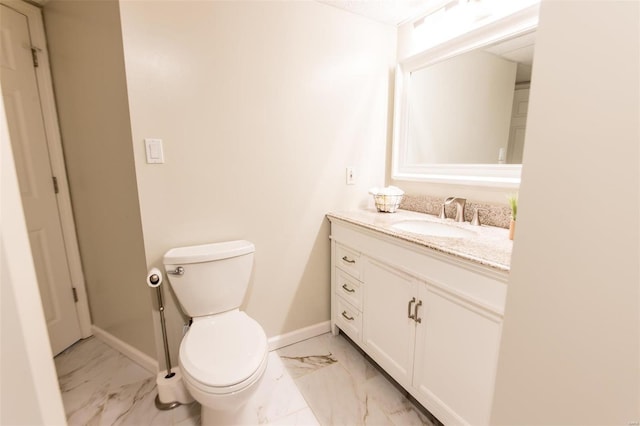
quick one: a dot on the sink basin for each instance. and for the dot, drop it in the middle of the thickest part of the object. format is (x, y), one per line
(433, 229)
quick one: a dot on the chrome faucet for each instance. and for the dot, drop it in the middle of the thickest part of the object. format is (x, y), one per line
(460, 203)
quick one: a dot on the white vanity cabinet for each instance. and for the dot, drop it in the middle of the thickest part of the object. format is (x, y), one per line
(456, 355)
(431, 320)
(346, 295)
(390, 297)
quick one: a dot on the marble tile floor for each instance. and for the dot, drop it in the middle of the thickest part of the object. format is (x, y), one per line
(343, 387)
(100, 386)
(324, 380)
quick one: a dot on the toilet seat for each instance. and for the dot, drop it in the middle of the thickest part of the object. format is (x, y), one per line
(223, 353)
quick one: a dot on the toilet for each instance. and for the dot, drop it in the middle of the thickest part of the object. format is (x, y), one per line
(223, 355)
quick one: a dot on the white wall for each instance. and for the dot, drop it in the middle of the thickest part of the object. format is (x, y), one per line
(85, 47)
(570, 348)
(261, 107)
(29, 393)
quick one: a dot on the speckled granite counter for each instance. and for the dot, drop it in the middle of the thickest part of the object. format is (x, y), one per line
(489, 246)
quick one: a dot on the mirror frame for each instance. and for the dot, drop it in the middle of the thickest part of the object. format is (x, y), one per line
(493, 175)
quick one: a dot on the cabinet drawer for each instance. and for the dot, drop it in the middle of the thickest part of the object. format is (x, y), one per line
(349, 288)
(348, 260)
(348, 318)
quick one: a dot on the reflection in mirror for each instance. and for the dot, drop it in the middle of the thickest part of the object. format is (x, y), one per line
(460, 108)
(472, 108)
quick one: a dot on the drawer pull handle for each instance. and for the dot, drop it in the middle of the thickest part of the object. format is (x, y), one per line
(350, 290)
(411, 302)
(346, 259)
(415, 317)
(344, 314)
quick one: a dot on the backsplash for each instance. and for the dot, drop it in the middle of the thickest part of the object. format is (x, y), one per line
(490, 214)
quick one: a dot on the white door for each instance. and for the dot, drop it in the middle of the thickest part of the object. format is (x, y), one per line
(456, 357)
(388, 331)
(31, 156)
(519, 111)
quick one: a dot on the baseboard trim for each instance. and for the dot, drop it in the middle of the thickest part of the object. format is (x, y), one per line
(137, 356)
(150, 364)
(282, 340)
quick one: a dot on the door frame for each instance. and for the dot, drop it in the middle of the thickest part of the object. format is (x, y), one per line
(56, 158)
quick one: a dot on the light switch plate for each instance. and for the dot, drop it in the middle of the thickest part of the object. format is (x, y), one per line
(153, 148)
(351, 176)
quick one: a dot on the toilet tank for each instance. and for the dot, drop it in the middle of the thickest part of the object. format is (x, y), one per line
(214, 277)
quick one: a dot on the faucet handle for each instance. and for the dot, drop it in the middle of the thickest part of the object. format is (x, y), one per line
(476, 217)
(449, 200)
(442, 215)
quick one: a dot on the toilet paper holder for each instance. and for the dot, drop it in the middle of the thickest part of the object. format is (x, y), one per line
(154, 279)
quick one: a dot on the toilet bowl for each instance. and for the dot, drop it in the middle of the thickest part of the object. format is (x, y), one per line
(223, 355)
(223, 358)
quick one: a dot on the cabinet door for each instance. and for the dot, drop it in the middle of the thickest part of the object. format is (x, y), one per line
(388, 332)
(456, 355)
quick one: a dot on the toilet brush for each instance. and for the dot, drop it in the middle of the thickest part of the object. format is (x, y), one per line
(154, 279)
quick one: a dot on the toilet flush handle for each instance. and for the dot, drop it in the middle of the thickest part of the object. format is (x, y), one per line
(178, 271)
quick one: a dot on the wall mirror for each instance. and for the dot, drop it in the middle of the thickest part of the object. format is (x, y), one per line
(461, 107)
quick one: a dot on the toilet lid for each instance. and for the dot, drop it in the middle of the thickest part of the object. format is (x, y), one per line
(224, 349)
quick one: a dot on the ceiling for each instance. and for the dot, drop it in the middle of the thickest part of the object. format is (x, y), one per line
(518, 49)
(396, 12)
(391, 12)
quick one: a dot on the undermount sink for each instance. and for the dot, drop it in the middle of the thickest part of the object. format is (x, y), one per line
(433, 229)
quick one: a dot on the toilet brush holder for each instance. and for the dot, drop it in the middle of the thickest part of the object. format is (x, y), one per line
(171, 388)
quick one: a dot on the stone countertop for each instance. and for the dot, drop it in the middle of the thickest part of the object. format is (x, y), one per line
(490, 246)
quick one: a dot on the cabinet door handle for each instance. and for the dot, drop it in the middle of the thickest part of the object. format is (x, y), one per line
(344, 314)
(411, 302)
(415, 316)
(346, 259)
(350, 290)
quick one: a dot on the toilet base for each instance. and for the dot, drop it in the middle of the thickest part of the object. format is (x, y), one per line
(216, 411)
(211, 417)
(243, 416)
(243, 412)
